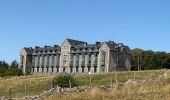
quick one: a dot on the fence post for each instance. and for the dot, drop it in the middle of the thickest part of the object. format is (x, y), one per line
(10, 92)
(151, 75)
(90, 84)
(25, 85)
(53, 84)
(134, 76)
(127, 77)
(111, 82)
(116, 78)
(70, 84)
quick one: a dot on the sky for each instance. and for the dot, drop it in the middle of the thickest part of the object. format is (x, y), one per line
(141, 24)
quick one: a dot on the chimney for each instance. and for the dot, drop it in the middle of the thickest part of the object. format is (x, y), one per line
(55, 46)
(97, 43)
(36, 47)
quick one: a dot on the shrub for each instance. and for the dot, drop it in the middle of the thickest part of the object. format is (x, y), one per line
(10, 72)
(64, 81)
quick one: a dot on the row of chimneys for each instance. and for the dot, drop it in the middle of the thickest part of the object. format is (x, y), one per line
(97, 43)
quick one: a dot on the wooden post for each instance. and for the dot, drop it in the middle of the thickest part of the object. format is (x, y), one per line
(134, 76)
(53, 84)
(25, 89)
(90, 84)
(106, 83)
(127, 77)
(111, 82)
(70, 84)
(116, 78)
(10, 92)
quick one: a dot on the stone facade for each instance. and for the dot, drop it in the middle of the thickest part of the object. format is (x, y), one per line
(75, 56)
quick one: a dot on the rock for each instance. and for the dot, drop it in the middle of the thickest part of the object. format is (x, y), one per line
(4, 98)
(165, 75)
(53, 91)
(130, 82)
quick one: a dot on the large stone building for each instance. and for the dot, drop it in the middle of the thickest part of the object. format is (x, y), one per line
(75, 56)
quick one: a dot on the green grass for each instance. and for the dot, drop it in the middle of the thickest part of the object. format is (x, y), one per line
(35, 84)
(38, 84)
(104, 79)
(157, 90)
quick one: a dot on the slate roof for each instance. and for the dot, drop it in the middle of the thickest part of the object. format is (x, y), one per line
(28, 50)
(75, 42)
(46, 49)
(110, 45)
(80, 46)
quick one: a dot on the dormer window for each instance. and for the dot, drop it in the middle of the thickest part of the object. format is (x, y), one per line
(36, 51)
(92, 49)
(81, 49)
(86, 49)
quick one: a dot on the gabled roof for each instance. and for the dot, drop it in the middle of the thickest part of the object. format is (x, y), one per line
(110, 45)
(75, 42)
(47, 48)
(26, 51)
(127, 49)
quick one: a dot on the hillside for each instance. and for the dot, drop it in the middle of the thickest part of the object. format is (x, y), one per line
(15, 86)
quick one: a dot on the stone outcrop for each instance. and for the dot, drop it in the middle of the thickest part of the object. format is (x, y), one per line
(54, 91)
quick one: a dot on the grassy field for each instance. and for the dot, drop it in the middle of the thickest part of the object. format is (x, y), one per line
(37, 84)
(147, 91)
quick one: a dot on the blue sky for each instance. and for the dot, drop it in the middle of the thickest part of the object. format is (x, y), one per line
(137, 23)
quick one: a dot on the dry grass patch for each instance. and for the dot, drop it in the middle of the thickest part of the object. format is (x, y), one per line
(147, 91)
(36, 84)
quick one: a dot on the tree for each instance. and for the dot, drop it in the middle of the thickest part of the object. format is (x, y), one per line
(12, 70)
(14, 64)
(64, 81)
(4, 64)
(149, 60)
(137, 59)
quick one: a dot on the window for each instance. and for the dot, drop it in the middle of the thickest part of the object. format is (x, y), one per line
(57, 69)
(71, 69)
(82, 69)
(92, 49)
(103, 59)
(37, 68)
(22, 60)
(88, 68)
(64, 62)
(47, 68)
(64, 69)
(52, 70)
(33, 69)
(95, 69)
(77, 69)
(42, 69)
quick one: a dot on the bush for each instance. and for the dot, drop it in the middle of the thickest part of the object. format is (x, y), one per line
(63, 81)
(10, 72)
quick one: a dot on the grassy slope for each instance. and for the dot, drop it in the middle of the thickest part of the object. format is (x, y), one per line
(37, 84)
(147, 91)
